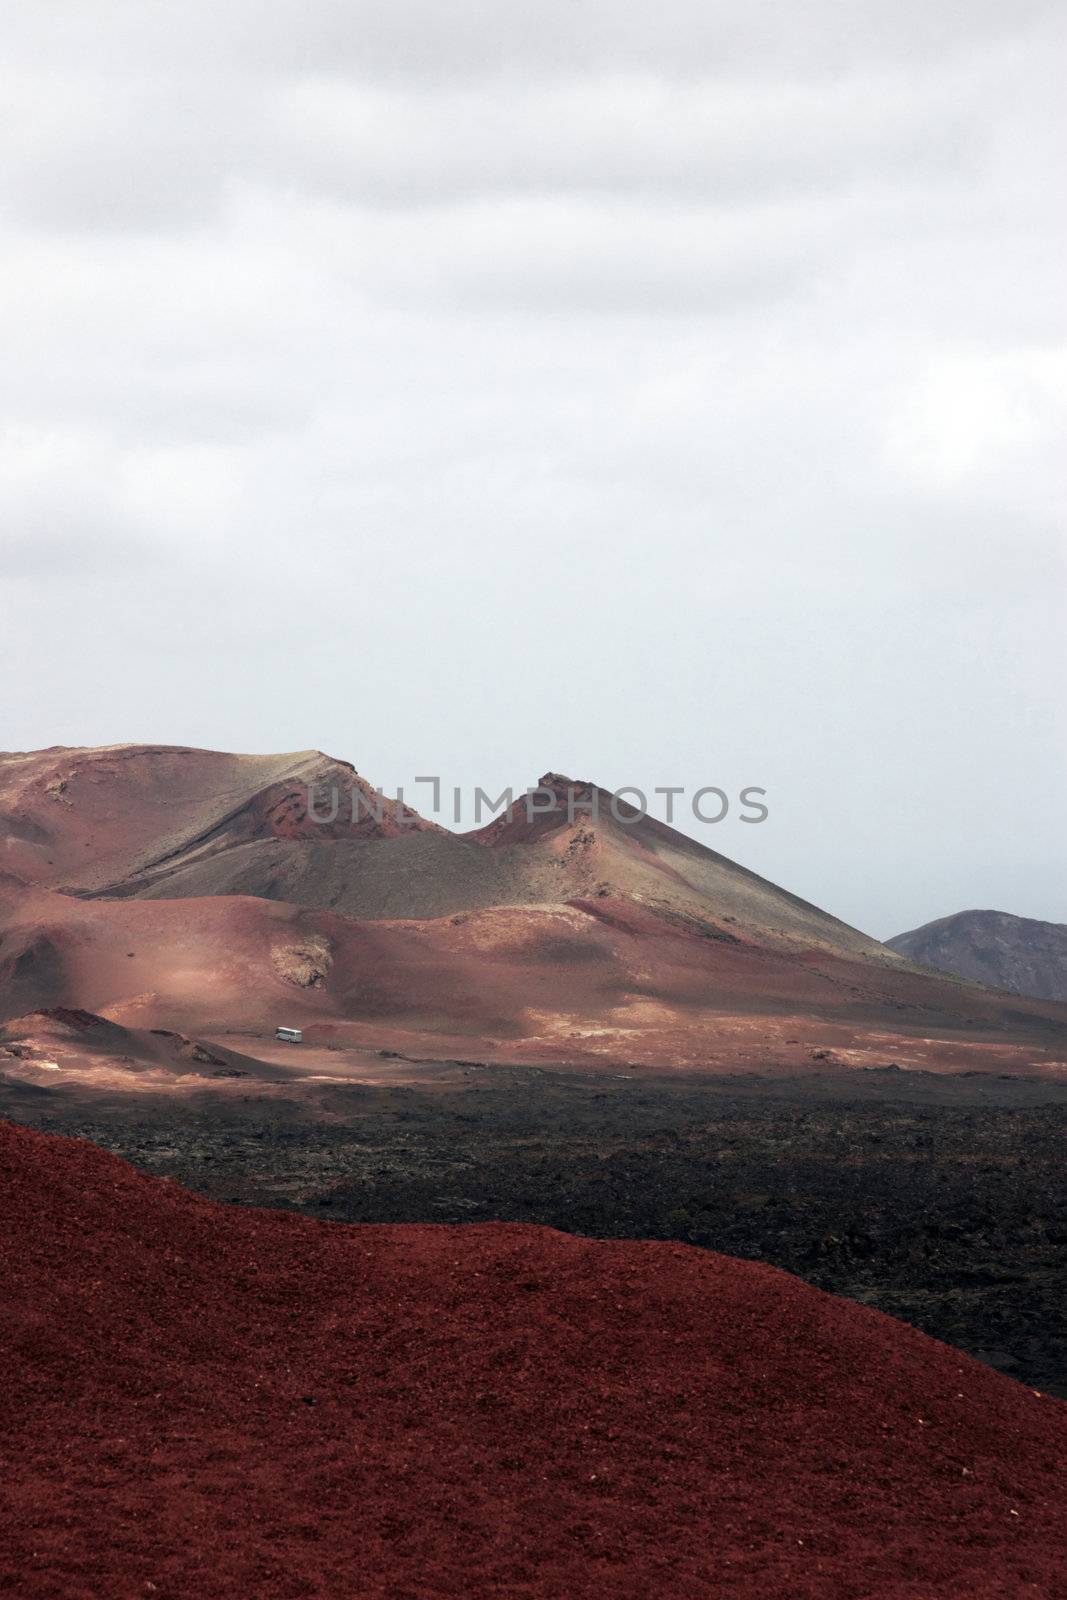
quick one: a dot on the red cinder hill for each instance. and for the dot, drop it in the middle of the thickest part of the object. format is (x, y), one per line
(167, 821)
(119, 816)
(201, 1402)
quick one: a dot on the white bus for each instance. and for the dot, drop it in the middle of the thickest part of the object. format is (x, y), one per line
(290, 1035)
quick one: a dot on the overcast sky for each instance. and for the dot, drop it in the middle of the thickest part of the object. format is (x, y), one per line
(664, 393)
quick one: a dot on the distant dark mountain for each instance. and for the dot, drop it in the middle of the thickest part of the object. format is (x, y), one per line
(1014, 953)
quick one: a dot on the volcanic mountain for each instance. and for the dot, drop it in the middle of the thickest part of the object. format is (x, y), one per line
(1014, 953)
(86, 819)
(163, 887)
(165, 822)
(207, 1401)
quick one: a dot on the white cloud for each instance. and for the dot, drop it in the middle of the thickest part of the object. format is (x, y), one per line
(987, 422)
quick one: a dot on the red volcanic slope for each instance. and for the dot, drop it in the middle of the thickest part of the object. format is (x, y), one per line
(269, 848)
(602, 980)
(80, 818)
(169, 821)
(201, 1402)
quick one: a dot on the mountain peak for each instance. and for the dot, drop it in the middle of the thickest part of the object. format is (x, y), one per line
(559, 783)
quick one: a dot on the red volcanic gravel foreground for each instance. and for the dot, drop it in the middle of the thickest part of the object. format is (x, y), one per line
(201, 1401)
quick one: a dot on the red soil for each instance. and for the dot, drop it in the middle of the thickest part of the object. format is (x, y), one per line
(600, 983)
(87, 817)
(202, 1402)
